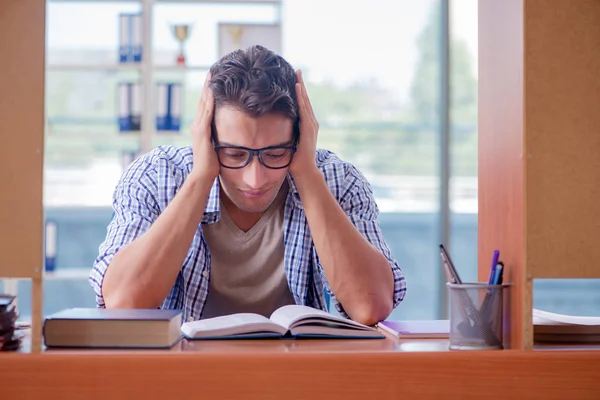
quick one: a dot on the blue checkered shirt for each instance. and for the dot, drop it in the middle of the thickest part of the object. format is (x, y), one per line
(150, 183)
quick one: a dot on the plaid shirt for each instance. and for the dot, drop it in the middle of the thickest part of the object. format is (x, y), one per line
(150, 183)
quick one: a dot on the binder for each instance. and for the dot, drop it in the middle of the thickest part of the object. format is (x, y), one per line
(123, 38)
(130, 38)
(50, 246)
(123, 102)
(127, 157)
(129, 106)
(136, 106)
(136, 22)
(174, 106)
(162, 106)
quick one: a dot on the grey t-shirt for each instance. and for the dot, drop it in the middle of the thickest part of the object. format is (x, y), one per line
(247, 268)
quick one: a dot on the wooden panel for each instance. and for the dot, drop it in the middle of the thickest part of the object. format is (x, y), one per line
(501, 185)
(22, 49)
(323, 374)
(562, 82)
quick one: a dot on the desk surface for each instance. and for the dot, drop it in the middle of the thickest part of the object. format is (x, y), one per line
(309, 368)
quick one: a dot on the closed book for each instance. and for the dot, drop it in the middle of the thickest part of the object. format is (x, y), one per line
(113, 328)
(417, 329)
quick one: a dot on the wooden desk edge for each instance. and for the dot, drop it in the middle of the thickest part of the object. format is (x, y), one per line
(523, 374)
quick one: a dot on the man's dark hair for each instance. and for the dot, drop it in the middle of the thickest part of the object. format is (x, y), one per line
(256, 81)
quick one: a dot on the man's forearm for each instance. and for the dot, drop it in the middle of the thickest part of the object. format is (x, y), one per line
(359, 275)
(142, 273)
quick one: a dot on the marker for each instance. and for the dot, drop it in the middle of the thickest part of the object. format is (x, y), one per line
(493, 267)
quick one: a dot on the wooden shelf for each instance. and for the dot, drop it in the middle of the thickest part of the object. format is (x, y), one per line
(273, 2)
(123, 67)
(91, 67)
(92, 135)
(181, 68)
(67, 274)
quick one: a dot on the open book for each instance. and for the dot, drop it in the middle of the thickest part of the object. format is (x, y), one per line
(292, 321)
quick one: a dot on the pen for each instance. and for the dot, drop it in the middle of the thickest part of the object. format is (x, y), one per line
(451, 272)
(501, 275)
(491, 294)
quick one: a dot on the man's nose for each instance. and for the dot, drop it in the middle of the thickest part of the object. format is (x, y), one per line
(254, 174)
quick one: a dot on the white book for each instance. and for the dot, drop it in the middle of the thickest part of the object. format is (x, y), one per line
(292, 321)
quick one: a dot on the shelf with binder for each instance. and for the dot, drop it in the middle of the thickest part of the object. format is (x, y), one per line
(70, 274)
(98, 135)
(94, 67)
(199, 68)
(124, 67)
(138, 59)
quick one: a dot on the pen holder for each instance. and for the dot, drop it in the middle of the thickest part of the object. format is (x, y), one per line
(476, 316)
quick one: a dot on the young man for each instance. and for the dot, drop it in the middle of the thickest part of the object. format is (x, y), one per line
(252, 216)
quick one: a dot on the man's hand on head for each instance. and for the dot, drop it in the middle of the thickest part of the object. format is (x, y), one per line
(206, 165)
(304, 160)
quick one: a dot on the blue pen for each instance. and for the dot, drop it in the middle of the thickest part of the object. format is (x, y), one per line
(501, 277)
(498, 274)
(493, 267)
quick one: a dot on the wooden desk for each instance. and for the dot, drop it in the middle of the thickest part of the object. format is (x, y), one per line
(304, 369)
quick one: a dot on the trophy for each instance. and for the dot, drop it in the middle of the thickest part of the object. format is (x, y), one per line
(181, 33)
(235, 31)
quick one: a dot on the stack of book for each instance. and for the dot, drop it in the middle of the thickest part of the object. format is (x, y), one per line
(554, 327)
(9, 339)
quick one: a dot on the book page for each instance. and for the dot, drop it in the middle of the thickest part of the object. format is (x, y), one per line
(293, 315)
(548, 318)
(233, 324)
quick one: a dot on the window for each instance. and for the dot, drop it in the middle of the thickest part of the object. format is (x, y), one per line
(373, 72)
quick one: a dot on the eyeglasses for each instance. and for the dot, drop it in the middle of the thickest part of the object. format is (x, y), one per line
(273, 157)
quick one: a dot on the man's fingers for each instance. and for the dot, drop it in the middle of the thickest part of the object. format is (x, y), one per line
(307, 105)
(208, 109)
(301, 103)
(205, 104)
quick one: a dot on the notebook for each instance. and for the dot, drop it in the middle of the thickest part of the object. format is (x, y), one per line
(106, 328)
(291, 321)
(417, 329)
